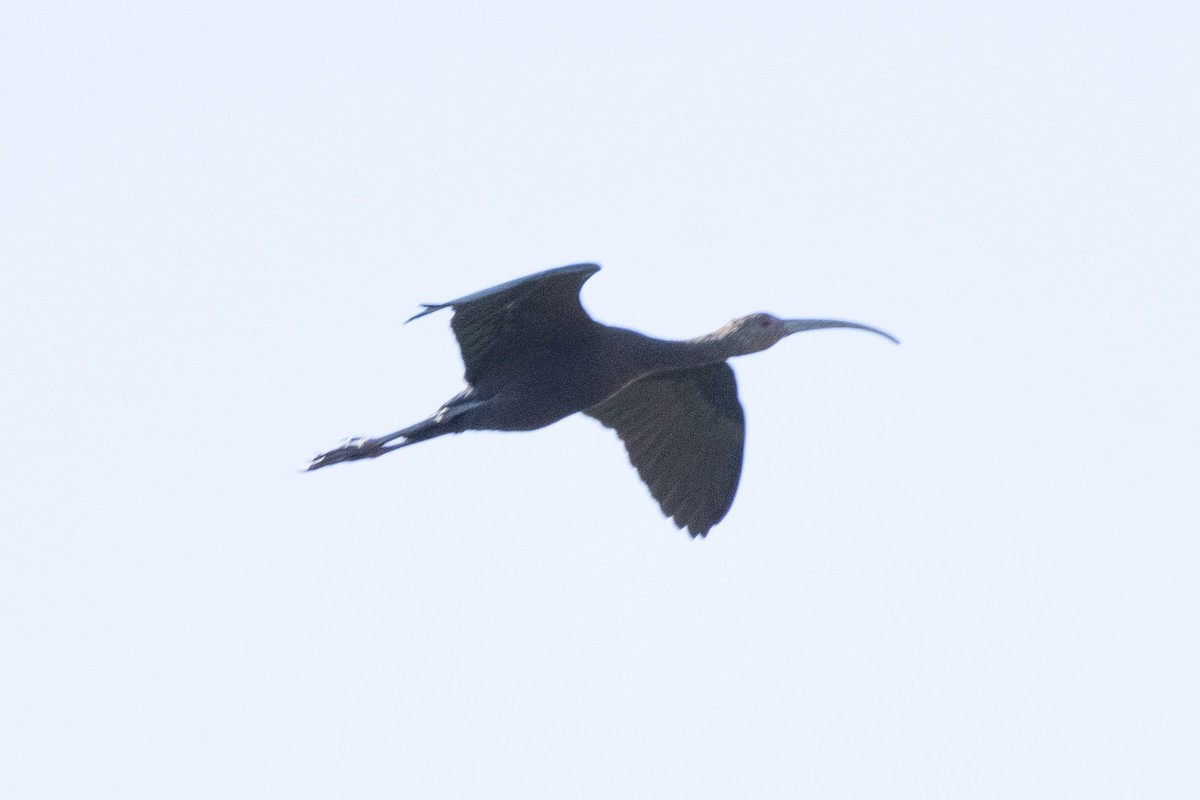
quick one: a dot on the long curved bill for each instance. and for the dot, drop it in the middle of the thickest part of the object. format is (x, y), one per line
(798, 325)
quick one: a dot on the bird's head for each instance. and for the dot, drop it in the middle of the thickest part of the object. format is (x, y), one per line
(757, 332)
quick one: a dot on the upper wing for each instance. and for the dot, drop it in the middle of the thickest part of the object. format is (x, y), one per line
(685, 433)
(517, 314)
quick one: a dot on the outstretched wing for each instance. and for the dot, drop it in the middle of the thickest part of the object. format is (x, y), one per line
(685, 433)
(518, 314)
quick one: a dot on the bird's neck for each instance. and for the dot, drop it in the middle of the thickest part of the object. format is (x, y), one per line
(646, 354)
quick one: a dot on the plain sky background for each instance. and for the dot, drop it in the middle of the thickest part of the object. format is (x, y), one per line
(965, 567)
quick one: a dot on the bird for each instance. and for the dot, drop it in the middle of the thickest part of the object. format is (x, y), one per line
(533, 356)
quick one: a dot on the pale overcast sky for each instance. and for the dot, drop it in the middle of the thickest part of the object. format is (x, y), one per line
(965, 567)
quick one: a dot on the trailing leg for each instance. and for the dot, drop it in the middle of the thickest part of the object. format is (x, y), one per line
(443, 422)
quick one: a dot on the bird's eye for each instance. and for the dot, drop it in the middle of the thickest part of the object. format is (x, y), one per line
(766, 323)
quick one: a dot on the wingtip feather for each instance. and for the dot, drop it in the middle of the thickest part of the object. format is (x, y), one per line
(429, 309)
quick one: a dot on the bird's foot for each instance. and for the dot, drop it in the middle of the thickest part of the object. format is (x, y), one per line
(349, 450)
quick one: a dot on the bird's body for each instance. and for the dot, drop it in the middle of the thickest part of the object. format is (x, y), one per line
(541, 385)
(533, 356)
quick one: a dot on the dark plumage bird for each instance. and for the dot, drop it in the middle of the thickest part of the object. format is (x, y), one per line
(533, 356)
